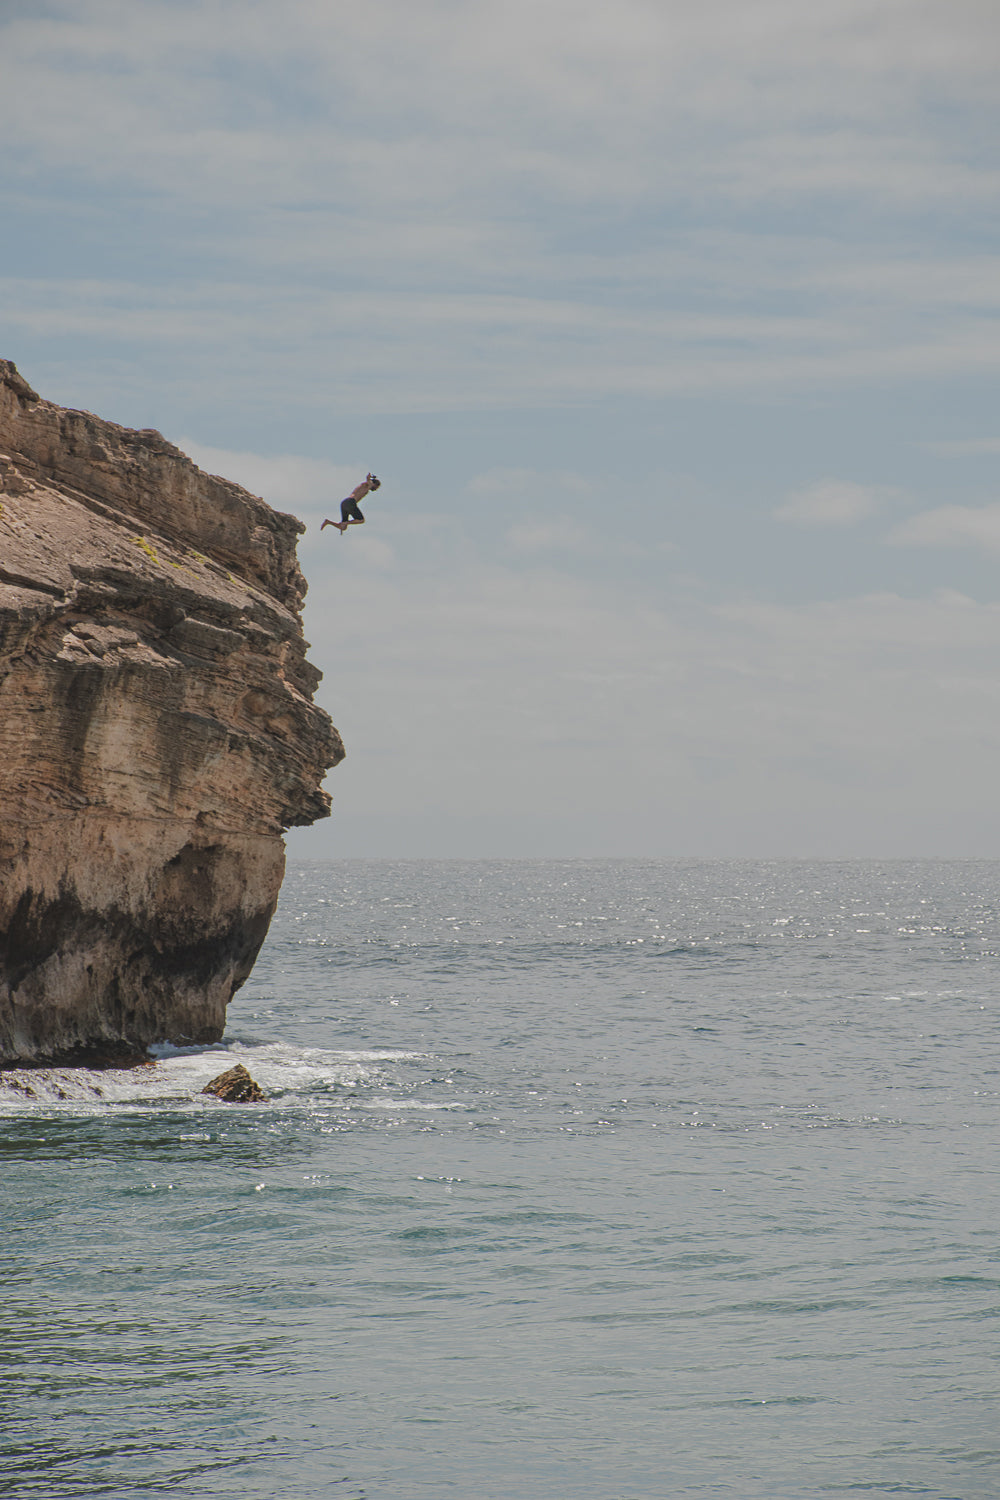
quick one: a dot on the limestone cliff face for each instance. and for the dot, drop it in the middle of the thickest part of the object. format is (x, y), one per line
(157, 733)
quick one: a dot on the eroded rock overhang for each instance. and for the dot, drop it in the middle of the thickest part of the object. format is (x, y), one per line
(157, 733)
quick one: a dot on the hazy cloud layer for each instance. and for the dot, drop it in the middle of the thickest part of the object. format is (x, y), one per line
(583, 720)
(547, 202)
(658, 320)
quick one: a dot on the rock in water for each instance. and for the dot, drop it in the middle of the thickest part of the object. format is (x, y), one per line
(157, 733)
(236, 1087)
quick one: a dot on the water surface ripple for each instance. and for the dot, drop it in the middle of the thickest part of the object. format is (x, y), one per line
(578, 1181)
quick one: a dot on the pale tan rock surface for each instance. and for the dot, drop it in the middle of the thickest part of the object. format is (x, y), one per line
(157, 733)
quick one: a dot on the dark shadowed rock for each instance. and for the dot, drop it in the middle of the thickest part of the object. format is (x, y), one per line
(157, 733)
(236, 1087)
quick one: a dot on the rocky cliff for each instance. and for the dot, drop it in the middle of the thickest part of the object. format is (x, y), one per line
(157, 733)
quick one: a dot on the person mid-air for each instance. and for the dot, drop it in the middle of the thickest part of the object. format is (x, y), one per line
(350, 511)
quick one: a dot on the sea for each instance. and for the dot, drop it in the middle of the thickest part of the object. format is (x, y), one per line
(577, 1180)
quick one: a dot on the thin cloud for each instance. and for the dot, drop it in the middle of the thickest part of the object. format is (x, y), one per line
(430, 351)
(286, 481)
(951, 526)
(399, 203)
(833, 502)
(965, 447)
(505, 484)
(437, 105)
(556, 535)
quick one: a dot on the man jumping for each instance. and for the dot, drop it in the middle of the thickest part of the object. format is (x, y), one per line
(350, 511)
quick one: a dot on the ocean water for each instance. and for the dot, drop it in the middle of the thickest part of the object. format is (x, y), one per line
(577, 1180)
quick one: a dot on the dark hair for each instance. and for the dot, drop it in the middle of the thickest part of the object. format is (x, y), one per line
(374, 483)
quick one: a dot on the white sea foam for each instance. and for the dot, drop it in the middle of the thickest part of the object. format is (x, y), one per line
(176, 1076)
(393, 1105)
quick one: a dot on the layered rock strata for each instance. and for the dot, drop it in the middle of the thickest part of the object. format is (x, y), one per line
(157, 733)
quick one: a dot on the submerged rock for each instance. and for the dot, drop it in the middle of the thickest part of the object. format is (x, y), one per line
(157, 733)
(18, 1086)
(236, 1087)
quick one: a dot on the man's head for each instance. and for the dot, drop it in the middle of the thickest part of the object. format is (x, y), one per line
(373, 483)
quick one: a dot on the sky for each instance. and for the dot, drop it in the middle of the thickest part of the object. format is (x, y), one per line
(672, 328)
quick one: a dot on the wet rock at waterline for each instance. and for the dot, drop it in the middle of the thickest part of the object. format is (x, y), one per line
(236, 1087)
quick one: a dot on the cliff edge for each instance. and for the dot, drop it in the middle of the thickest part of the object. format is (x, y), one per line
(157, 733)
